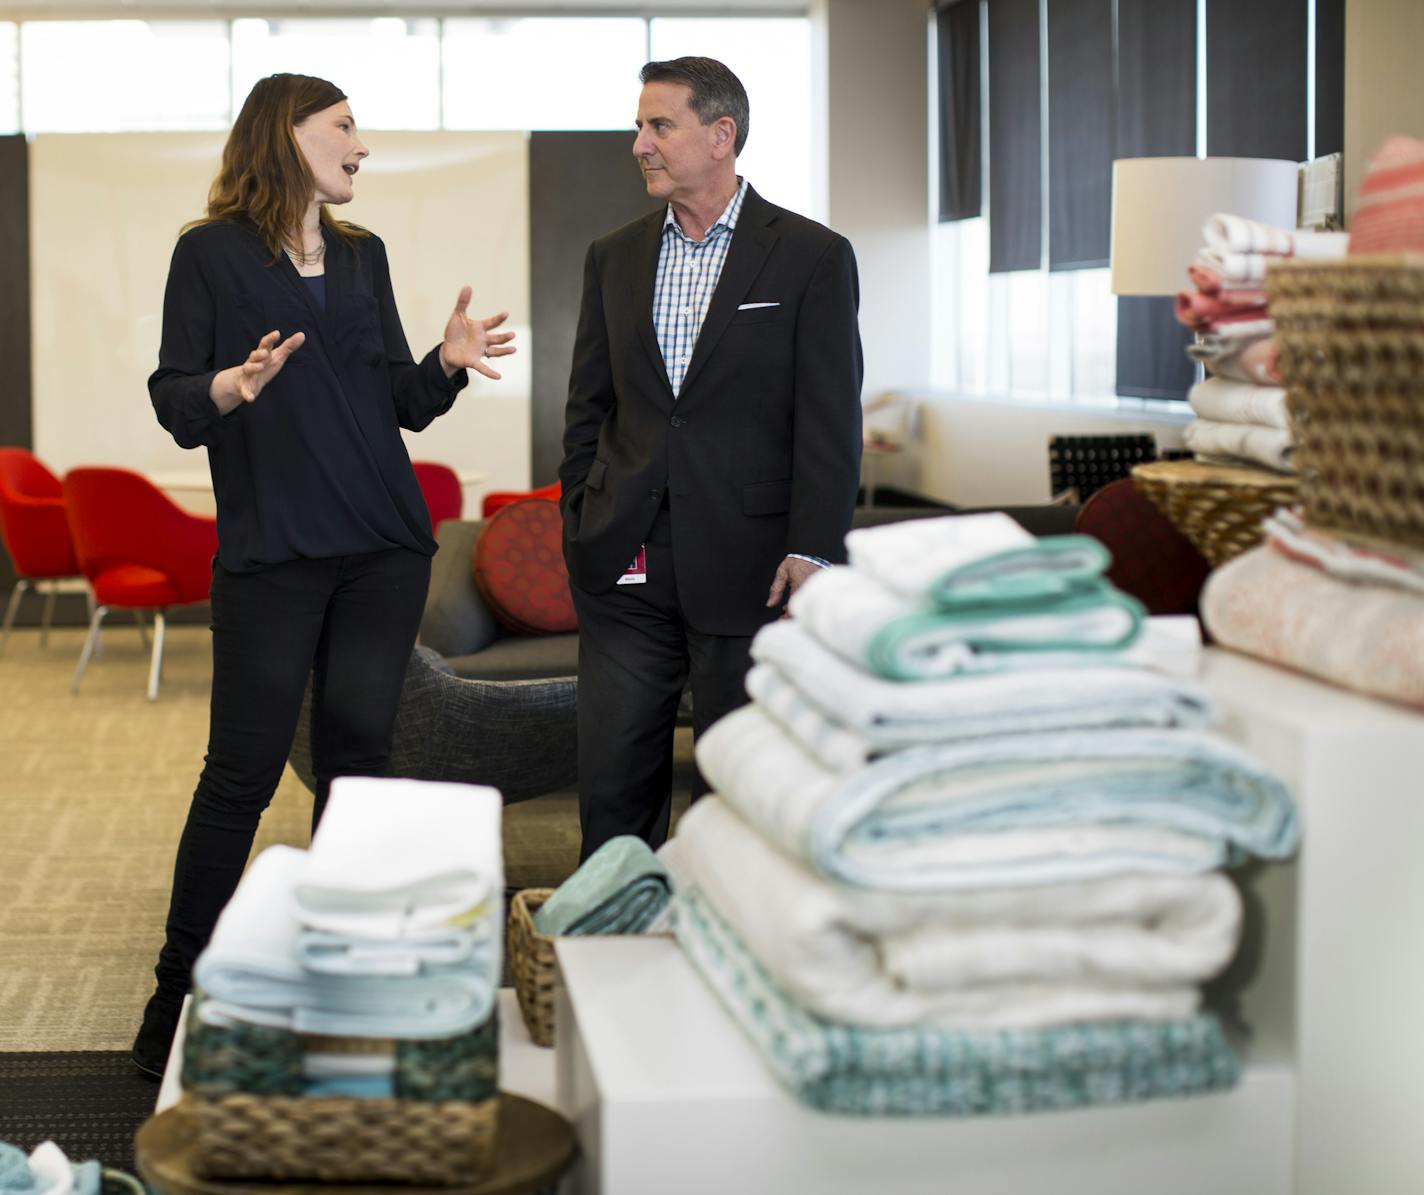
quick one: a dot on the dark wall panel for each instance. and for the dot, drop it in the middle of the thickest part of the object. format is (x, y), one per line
(581, 185)
(961, 153)
(1080, 132)
(16, 429)
(1015, 138)
(1256, 78)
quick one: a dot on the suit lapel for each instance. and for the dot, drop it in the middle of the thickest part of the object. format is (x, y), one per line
(751, 243)
(644, 274)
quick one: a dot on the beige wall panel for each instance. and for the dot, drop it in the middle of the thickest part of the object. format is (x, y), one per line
(1384, 87)
(451, 207)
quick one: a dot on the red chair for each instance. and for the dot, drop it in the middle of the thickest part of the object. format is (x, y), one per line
(139, 550)
(498, 498)
(36, 534)
(444, 495)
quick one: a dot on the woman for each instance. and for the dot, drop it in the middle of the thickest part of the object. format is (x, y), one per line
(284, 356)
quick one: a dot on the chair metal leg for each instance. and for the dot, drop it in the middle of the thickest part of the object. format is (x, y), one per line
(47, 617)
(142, 628)
(89, 602)
(155, 667)
(88, 649)
(11, 608)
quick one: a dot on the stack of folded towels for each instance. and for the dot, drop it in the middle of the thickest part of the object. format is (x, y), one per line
(622, 888)
(390, 927)
(964, 853)
(1241, 408)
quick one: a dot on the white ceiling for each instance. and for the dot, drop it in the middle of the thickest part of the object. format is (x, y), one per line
(15, 9)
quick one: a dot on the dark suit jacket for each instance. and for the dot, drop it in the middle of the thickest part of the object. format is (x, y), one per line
(760, 453)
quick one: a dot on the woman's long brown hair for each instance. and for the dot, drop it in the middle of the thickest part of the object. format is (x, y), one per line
(264, 178)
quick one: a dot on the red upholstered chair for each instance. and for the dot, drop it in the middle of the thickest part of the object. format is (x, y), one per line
(444, 496)
(139, 550)
(36, 534)
(498, 498)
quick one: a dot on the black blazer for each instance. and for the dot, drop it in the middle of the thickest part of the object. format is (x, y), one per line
(315, 467)
(760, 453)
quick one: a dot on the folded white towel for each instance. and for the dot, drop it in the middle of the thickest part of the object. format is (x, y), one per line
(1225, 401)
(909, 557)
(1128, 946)
(401, 858)
(1226, 233)
(1269, 447)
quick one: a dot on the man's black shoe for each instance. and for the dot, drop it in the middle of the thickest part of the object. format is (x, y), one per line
(155, 1036)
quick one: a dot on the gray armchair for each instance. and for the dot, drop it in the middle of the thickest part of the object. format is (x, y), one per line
(519, 736)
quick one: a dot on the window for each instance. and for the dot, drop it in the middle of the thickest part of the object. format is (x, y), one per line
(9, 77)
(772, 58)
(514, 72)
(112, 76)
(388, 67)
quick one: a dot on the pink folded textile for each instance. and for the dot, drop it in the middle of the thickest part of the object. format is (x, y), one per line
(1199, 311)
(1251, 360)
(1208, 276)
(1369, 638)
(1389, 214)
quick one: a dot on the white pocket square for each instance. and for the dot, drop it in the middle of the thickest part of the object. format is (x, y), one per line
(749, 306)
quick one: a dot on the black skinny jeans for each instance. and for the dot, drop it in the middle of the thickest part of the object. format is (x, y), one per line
(350, 621)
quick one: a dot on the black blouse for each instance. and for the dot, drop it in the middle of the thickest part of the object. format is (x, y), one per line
(315, 467)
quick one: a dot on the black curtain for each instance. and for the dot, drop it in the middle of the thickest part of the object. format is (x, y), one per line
(1080, 132)
(1015, 138)
(1156, 117)
(1329, 76)
(961, 156)
(1256, 78)
(15, 419)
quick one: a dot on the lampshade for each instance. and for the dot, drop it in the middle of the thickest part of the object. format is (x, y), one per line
(1160, 204)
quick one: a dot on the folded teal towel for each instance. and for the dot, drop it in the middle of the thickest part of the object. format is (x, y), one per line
(618, 889)
(1053, 567)
(936, 1072)
(16, 1177)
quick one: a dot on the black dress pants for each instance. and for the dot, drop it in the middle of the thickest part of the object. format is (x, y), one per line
(636, 653)
(349, 622)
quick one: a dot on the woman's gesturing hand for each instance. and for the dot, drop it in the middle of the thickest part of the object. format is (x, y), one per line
(468, 340)
(243, 383)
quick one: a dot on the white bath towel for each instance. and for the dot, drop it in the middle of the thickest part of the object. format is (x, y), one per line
(1226, 233)
(1268, 447)
(1128, 946)
(909, 557)
(1225, 401)
(400, 858)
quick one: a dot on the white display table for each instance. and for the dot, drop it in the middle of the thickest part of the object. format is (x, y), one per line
(667, 1095)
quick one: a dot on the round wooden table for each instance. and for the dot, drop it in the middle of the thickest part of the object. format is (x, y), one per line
(534, 1147)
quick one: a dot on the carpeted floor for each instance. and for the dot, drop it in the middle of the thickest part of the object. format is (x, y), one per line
(93, 792)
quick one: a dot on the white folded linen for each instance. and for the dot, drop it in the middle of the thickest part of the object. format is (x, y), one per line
(1003, 811)
(844, 715)
(1225, 401)
(251, 973)
(1269, 447)
(399, 859)
(1377, 564)
(909, 557)
(1226, 233)
(846, 610)
(1128, 946)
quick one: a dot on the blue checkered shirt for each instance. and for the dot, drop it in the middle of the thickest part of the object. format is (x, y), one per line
(688, 272)
(687, 275)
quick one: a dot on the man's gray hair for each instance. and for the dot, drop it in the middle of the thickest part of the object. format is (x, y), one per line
(716, 92)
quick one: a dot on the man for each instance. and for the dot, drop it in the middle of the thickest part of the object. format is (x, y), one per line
(711, 445)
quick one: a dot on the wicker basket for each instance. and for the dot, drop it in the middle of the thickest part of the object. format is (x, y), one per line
(1350, 336)
(1218, 507)
(243, 1094)
(531, 960)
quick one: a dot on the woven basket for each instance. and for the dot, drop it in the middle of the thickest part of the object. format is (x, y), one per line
(1350, 336)
(531, 961)
(1218, 507)
(243, 1092)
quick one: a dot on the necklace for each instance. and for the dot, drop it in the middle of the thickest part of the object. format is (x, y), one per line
(305, 259)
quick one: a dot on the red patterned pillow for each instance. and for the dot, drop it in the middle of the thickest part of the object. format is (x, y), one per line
(519, 568)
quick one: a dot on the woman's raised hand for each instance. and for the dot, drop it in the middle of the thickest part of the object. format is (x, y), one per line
(243, 383)
(467, 341)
